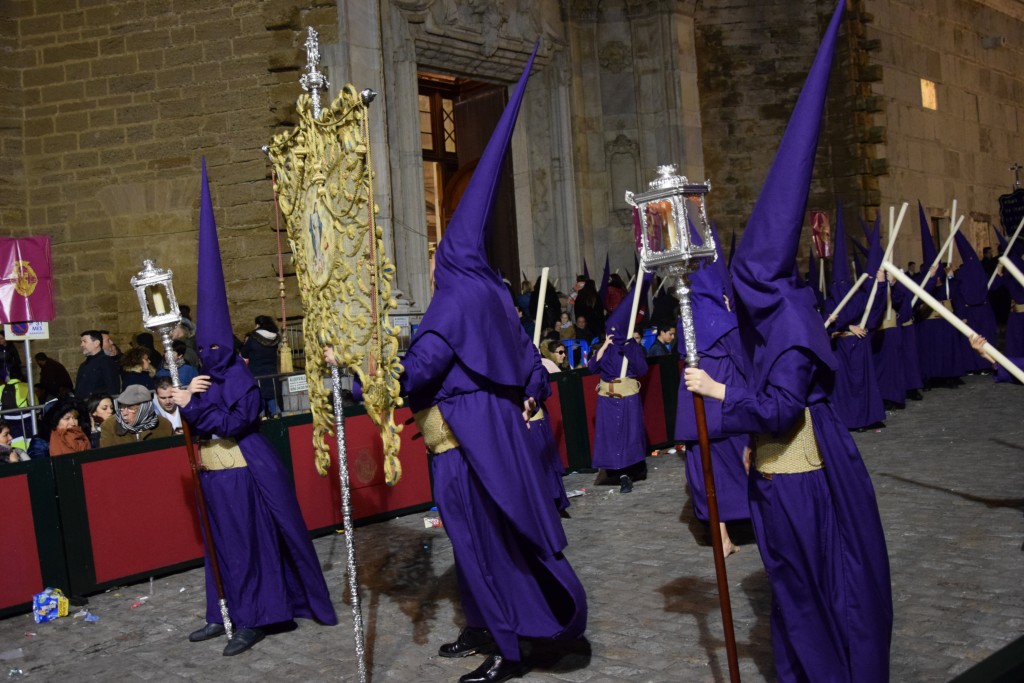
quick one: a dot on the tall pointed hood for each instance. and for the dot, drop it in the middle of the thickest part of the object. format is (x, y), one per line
(603, 289)
(1015, 288)
(471, 308)
(617, 322)
(875, 254)
(928, 251)
(771, 300)
(213, 319)
(711, 319)
(841, 280)
(972, 282)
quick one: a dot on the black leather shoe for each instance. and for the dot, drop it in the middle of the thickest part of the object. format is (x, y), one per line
(206, 632)
(494, 670)
(242, 641)
(471, 640)
(625, 484)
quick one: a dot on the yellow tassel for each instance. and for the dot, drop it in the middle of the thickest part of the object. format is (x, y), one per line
(284, 353)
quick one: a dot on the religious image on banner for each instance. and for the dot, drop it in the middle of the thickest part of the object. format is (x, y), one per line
(323, 178)
(26, 285)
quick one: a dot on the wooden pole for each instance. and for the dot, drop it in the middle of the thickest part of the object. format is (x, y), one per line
(1009, 246)
(539, 320)
(846, 299)
(960, 325)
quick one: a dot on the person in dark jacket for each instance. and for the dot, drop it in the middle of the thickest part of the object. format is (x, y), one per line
(260, 350)
(54, 378)
(99, 373)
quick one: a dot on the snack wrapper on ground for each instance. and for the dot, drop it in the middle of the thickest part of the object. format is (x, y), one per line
(49, 605)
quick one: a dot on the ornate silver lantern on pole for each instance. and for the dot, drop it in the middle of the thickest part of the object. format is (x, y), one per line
(662, 220)
(154, 286)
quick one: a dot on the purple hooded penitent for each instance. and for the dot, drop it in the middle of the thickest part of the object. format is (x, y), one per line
(885, 332)
(471, 359)
(855, 395)
(722, 357)
(944, 354)
(819, 532)
(619, 438)
(970, 298)
(1014, 345)
(270, 571)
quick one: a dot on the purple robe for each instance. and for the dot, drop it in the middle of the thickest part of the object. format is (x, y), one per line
(856, 396)
(270, 570)
(1014, 340)
(819, 533)
(944, 353)
(974, 308)
(506, 535)
(541, 434)
(619, 438)
(909, 361)
(723, 362)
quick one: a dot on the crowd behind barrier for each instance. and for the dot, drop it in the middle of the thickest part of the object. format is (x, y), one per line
(91, 520)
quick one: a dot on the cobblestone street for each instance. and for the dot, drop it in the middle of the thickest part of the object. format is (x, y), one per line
(948, 471)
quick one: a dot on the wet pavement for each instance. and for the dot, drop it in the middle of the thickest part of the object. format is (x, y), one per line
(948, 471)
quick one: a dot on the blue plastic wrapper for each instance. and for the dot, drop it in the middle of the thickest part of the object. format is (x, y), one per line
(49, 605)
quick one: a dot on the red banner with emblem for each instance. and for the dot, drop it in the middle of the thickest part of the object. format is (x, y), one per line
(26, 285)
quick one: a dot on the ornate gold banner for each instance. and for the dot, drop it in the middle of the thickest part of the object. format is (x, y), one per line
(324, 185)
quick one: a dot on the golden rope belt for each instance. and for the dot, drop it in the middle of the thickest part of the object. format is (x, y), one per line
(539, 415)
(792, 453)
(221, 454)
(619, 388)
(1017, 308)
(437, 435)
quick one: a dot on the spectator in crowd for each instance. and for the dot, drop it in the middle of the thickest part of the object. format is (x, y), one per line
(14, 395)
(136, 368)
(163, 402)
(260, 351)
(99, 372)
(8, 453)
(589, 305)
(134, 420)
(100, 407)
(551, 305)
(525, 290)
(664, 343)
(54, 378)
(911, 268)
(185, 331)
(615, 293)
(109, 347)
(565, 327)
(145, 340)
(66, 436)
(186, 372)
(10, 361)
(553, 356)
(583, 329)
(528, 325)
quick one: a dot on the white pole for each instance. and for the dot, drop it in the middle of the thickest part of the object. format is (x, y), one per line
(960, 325)
(1012, 269)
(846, 299)
(1009, 246)
(539, 320)
(632, 318)
(894, 229)
(938, 257)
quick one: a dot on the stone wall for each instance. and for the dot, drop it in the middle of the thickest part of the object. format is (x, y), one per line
(963, 149)
(107, 109)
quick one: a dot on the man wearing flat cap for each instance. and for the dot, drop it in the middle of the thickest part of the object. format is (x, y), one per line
(134, 420)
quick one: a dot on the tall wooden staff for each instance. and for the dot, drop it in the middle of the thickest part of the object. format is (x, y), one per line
(163, 319)
(661, 218)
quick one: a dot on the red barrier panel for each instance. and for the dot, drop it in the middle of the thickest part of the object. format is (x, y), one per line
(590, 383)
(19, 561)
(320, 497)
(142, 512)
(655, 426)
(553, 407)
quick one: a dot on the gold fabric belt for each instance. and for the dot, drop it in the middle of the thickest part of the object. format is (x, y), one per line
(907, 323)
(539, 415)
(888, 323)
(1017, 308)
(932, 313)
(619, 388)
(221, 454)
(837, 335)
(437, 435)
(792, 453)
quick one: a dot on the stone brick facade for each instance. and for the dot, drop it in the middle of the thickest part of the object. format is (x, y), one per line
(107, 109)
